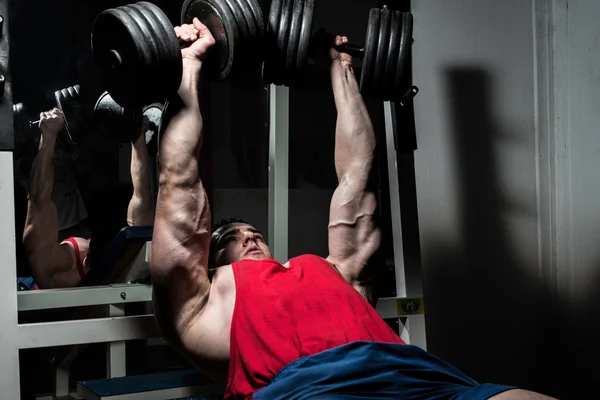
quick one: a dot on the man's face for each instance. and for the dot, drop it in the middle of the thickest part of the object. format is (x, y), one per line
(239, 241)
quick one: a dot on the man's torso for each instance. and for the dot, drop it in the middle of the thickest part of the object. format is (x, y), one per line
(209, 338)
(211, 332)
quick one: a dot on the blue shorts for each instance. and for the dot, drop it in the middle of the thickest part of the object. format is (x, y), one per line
(372, 370)
(25, 284)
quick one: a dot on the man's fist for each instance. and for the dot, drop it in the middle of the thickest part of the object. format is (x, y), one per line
(52, 122)
(322, 49)
(201, 37)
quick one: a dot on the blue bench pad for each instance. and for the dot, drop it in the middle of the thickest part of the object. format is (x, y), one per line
(146, 383)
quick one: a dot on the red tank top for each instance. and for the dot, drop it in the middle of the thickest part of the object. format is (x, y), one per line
(282, 314)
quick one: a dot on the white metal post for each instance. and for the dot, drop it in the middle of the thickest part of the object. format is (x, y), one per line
(61, 380)
(411, 328)
(390, 126)
(116, 351)
(279, 124)
(9, 350)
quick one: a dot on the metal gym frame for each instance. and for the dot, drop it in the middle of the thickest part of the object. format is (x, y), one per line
(118, 328)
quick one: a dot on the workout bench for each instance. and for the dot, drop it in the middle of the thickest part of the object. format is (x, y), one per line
(159, 386)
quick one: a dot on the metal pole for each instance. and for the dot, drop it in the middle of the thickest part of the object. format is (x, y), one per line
(390, 125)
(278, 171)
(9, 335)
(116, 351)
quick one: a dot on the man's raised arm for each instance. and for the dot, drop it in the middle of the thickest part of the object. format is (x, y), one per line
(180, 243)
(353, 234)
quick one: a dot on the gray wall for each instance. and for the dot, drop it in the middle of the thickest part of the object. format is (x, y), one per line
(476, 184)
(577, 115)
(508, 189)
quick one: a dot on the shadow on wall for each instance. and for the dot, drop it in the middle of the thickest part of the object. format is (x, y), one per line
(486, 311)
(576, 355)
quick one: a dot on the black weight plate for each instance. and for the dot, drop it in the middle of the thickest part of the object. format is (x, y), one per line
(18, 109)
(404, 53)
(245, 12)
(65, 101)
(114, 121)
(149, 31)
(168, 64)
(254, 42)
(283, 37)
(107, 113)
(234, 29)
(132, 45)
(274, 15)
(382, 52)
(270, 64)
(240, 14)
(368, 63)
(304, 40)
(260, 26)
(116, 52)
(221, 24)
(72, 92)
(154, 114)
(294, 41)
(253, 16)
(241, 26)
(391, 65)
(131, 63)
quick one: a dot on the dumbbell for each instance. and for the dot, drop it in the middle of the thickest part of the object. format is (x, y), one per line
(384, 55)
(138, 55)
(120, 124)
(64, 102)
(68, 101)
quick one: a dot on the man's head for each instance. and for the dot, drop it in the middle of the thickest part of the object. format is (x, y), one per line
(233, 240)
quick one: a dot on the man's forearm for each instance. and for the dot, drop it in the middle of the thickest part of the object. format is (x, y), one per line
(41, 178)
(182, 222)
(182, 140)
(355, 139)
(141, 167)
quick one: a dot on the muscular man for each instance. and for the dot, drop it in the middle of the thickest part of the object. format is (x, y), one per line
(56, 264)
(300, 330)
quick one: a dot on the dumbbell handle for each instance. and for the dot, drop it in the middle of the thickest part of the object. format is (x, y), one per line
(183, 44)
(355, 50)
(33, 123)
(117, 61)
(352, 50)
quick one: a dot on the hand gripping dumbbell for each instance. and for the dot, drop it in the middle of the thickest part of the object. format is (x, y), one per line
(66, 101)
(384, 55)
(138, 54)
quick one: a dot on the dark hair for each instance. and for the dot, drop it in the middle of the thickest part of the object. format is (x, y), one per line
(216, 235)
(226, 221)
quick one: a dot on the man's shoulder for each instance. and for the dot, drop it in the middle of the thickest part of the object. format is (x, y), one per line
(312, 258)
(306, 255)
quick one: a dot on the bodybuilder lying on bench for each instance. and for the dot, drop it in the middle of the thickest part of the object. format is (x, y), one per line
(299, 330)
(63, 264)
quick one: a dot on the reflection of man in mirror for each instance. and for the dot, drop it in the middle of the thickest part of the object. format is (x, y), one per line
(67, 198)
(55, 240)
